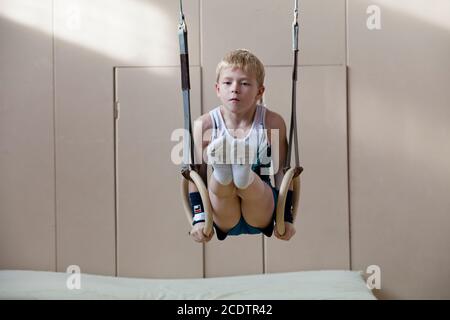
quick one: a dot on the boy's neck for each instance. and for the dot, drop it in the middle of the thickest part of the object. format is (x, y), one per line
(238, 120)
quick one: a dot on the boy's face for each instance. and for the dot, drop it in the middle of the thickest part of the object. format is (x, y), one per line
(238, 90)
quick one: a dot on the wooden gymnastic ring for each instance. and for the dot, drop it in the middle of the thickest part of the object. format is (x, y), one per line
(197, 180)
(291, 175)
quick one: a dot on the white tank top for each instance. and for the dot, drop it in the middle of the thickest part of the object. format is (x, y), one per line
(256, 135)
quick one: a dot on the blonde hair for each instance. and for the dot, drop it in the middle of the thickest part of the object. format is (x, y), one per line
(245, 60)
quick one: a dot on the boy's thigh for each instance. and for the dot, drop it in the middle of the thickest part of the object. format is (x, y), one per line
(227, 211)
(258, 211)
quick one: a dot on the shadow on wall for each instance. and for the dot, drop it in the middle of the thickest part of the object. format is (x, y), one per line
(399, 129)
(138, 33)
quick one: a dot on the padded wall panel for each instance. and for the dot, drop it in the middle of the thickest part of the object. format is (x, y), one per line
(264, 27)
(399, 136)
(27, 167)
(152, 233)
(322, 238)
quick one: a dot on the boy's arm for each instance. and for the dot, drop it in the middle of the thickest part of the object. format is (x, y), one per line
(201, 126)
(279, 147)
(279, 155)
(201, 141)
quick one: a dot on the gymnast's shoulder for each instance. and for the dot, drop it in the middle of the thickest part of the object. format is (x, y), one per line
(202, 128)
(274, 120)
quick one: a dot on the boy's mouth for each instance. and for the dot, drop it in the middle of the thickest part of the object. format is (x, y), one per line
(234, 99)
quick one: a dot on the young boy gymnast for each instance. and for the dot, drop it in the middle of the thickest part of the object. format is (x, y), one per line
(235, 139)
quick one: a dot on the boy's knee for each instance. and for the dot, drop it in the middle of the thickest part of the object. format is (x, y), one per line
(223, 191)
(243, 176)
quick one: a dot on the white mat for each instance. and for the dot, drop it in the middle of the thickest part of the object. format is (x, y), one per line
(332, 284)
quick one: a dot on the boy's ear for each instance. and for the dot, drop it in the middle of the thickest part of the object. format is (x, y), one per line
(261, 91)
(217, 88)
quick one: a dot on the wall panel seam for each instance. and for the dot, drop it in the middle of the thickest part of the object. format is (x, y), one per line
(54, 137)
(152, 66)
(200, 31)
(347, 92)
(305, 65)
(116, 193)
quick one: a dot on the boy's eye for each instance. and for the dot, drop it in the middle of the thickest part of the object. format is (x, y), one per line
(245, 83)
(227, 82)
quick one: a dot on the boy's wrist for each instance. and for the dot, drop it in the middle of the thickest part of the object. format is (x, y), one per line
(199, 217)
(198, 214)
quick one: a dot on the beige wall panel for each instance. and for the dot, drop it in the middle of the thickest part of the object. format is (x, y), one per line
(84, 139)
(210, 99)
(264, 27)
(153, 230)
(91, 37)
(399, 137)
(27, 188)
(234, 256)
(322, 238)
